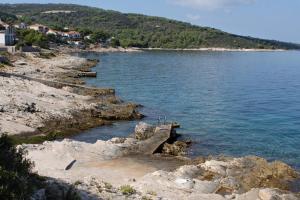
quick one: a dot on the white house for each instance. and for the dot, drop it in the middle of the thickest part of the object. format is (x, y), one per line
(8, 36)
(72, 35)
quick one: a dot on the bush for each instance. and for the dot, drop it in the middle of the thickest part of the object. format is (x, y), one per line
(16, 179)
(4, 60)
(127, 190)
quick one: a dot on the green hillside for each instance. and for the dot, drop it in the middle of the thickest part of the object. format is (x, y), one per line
(134, 29)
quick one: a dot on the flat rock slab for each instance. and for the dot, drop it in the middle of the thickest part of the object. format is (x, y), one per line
(161, 135)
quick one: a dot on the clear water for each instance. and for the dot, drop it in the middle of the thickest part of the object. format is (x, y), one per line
(232, 103)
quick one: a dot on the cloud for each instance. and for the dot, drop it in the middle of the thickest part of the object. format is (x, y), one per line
(211, 4)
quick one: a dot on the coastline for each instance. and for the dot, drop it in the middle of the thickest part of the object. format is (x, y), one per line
(136, 49)
(126, 162)
(101, 50)
(54, 85)
(217, 49)
(53, 99)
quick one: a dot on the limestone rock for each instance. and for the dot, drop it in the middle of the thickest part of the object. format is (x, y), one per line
(178, 148)
(253, 172)
(143, 131)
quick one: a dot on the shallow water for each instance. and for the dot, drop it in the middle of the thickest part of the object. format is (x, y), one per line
(232, 103)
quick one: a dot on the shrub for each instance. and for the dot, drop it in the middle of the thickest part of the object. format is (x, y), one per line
(4, 60)
(127, 190)
(16, 179)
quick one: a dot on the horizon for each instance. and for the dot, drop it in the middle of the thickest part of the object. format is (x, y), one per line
(240, 17)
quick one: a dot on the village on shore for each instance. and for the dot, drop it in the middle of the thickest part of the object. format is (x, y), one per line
(8, 37)
(9, 40)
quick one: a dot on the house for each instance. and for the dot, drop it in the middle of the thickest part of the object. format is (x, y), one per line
(40, 28)
(74, 35)
(8, 36)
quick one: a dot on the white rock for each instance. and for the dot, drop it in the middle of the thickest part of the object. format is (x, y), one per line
(215, 166)
(187, 171)
(251, 195)
(269, 194)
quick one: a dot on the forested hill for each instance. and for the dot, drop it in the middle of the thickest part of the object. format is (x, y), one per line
(134, 29)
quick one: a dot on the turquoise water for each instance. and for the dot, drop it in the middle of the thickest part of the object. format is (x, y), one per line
(232, 103)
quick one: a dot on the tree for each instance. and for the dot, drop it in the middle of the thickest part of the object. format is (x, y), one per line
(85, 31)
(115, 42)
(31, 37)
(99, 36)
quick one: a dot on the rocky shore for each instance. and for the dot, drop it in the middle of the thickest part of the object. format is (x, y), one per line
(43, 94)
(121, 168)
(218, 49)
(98, 49)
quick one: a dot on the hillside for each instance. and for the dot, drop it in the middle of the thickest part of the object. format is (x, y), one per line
(134, 29)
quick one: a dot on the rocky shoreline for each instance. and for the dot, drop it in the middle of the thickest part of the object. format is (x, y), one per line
(217, 49)
(43, 95)
(121, 168)
(43, 98)
(97, 49)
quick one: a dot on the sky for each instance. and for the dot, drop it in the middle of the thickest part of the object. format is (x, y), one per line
(269, 19)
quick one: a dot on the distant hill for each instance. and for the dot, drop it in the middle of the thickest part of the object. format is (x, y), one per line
(134, 29)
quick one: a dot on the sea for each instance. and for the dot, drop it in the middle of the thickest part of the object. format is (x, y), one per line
(229, 103)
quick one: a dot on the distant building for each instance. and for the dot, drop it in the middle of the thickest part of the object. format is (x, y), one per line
(8, 36)
(40, 28)
(53, 32)
(74, 35)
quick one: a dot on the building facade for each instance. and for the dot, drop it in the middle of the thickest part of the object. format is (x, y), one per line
(8, 36)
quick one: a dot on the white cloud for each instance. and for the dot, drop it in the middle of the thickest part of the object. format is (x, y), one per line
(211, 4)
